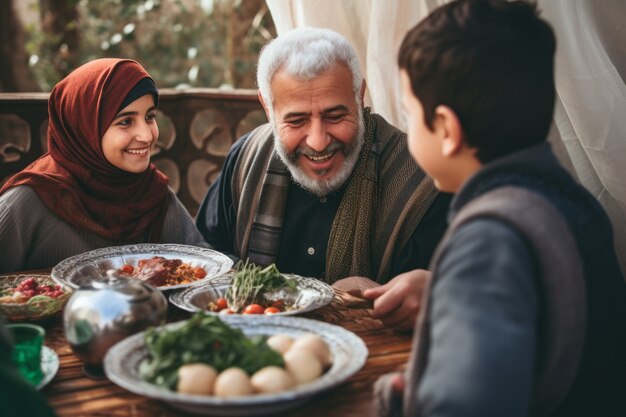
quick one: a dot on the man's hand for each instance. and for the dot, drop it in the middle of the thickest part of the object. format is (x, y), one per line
(354, 285)
(350, 291)
(397, 302)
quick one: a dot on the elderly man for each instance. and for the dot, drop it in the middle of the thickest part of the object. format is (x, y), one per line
(325, 189)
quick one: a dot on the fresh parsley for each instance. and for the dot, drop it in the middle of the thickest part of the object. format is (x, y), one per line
(251, 284)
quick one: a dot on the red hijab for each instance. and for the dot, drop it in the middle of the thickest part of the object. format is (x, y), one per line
(74, 179)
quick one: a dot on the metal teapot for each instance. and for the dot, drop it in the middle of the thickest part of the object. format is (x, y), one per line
(102, 312)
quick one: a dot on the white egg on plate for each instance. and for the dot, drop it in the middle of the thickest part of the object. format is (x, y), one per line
(316, 345)
(233, 382)
(272, 379)
(196, 378)
(303, 365)
(280, 343)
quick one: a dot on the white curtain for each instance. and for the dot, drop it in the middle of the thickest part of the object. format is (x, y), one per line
(374, 27)
(589, 130)
(590, 113)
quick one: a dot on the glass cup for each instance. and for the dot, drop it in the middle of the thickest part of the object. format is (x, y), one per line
(27, 343)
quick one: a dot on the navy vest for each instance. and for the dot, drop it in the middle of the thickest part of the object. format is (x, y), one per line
(600, 383)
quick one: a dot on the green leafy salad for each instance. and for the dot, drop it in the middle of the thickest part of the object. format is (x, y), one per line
(254, 284)
(202, 339)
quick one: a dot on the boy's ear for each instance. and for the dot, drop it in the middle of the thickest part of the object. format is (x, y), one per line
(451, 130)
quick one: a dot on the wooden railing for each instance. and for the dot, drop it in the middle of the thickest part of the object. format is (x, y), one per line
(197, 128)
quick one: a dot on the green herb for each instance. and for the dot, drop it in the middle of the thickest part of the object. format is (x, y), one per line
(39, 297)
(203, 339)
(251, 283)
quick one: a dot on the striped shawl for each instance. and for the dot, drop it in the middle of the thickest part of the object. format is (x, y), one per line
(386, 197)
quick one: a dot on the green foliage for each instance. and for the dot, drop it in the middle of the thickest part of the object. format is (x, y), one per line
(198, 43)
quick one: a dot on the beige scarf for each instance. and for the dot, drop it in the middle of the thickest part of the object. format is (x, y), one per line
(386, 197)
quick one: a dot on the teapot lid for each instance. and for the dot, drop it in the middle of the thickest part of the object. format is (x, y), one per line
(137, 290)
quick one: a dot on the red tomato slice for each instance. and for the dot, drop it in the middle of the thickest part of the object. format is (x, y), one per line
(199, 273)
(271, 310)
(254, 309)
(221, 304)
(127, 269)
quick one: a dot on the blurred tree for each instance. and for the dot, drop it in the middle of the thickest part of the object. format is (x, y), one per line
(60, 30)
(14, 72)
(182, 43)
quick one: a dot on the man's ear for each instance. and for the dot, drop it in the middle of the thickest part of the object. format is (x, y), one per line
(267, 110)
(452, 131)
(362, 92)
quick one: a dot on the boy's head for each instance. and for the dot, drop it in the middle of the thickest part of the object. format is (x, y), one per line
(486, 65)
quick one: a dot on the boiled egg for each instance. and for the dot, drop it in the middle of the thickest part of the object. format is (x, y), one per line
(196, 378)
(233, 382)
(280, 343)
(303, 365)
(272, 379)
(316, 345)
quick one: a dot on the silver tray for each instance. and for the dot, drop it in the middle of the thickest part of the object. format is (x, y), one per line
(121, 365)
(93, 265)
(312, 294)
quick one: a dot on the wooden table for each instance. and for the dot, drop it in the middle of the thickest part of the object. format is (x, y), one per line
(72, 394)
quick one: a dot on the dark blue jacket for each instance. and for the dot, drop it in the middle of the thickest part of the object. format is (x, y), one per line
(486, 310)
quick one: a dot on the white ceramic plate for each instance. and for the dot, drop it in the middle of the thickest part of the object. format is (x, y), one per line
(90, 265)
(122, 361)
(49, 366)
(312, 294)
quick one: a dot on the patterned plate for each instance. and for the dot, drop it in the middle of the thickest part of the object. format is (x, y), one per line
(49, 366)
(349, 352)
(93, 265)
(312, 294)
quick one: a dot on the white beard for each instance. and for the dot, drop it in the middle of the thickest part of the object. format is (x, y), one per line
(325, 186)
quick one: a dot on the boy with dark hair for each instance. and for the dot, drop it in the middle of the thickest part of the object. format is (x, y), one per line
(526, 310)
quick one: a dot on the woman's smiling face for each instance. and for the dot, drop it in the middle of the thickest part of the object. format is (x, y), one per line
(129, 139)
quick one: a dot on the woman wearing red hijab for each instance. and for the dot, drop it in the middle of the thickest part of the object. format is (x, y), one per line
(96, 186)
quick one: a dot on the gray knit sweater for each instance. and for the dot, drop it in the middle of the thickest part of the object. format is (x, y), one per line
(32, 237)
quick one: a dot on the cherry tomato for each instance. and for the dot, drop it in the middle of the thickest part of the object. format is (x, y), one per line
(254, 309)
(221, 304)
(226, 311)
(199, 273)
(127, 269)
(271, 310)
(29, 282)
(279, 304)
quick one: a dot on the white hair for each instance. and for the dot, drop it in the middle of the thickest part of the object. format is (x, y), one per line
(305, 53)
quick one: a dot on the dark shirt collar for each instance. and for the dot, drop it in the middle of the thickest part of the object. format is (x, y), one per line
(304, 193)
(534, 158)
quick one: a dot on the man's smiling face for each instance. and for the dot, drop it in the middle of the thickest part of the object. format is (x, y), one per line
(318, 127)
